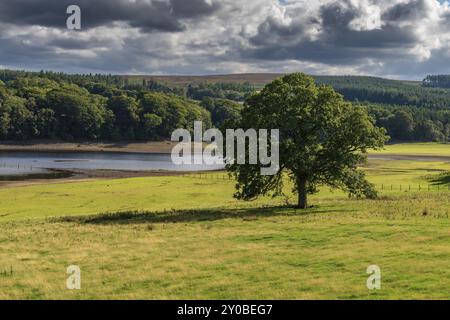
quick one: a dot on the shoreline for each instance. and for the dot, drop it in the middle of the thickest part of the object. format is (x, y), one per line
(57, 146)
(158, 147)
(78, 175)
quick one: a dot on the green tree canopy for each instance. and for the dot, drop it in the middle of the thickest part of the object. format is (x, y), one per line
(81, 115)
(402, 125)
(222, 110)
(177, 112)
(126, 111)
(3, 91)
(323, 139)
(150, 124)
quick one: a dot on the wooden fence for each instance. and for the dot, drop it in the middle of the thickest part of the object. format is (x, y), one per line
(378, 187)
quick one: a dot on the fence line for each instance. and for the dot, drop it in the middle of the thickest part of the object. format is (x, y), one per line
(226, 177)
(378, 187)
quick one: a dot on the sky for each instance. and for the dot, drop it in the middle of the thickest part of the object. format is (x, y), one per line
(401, 39)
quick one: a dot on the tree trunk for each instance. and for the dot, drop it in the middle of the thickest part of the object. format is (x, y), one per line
(302, 193)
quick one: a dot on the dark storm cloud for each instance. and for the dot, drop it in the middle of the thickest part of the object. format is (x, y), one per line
(320, 52)
(149, 16)
(12, 53)
(272, 30)
(337, 31)
(193, 8)
(336, 16)
(338, 42)
(406, 11)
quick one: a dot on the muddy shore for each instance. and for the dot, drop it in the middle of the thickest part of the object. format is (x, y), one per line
(86, 175)
(160, 147)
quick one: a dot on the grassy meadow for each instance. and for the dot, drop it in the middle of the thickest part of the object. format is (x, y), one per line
(185, 237)
(417, 149)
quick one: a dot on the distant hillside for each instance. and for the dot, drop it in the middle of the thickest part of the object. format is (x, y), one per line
(255, 79)
(354, 88)
(391, 92)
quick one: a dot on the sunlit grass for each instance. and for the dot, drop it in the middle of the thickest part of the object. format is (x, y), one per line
(258, 254)
(431, 149)
(189, 192)
(187, 238)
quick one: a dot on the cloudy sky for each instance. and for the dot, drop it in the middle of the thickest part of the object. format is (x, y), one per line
(392, 38)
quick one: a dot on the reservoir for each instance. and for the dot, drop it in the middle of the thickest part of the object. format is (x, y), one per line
(39, 164)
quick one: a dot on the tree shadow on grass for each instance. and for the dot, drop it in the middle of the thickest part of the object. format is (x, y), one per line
(441, 180)
(200, 215)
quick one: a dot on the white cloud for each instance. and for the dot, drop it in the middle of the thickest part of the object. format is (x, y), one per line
(381, 37)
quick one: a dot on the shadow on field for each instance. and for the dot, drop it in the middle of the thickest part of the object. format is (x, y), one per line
(442, 179)
(182, 216)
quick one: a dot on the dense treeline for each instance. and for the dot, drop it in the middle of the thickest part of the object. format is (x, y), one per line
(437, 81)
(79, 79)
(408, 111)
(53, 105)
(391, 92)
(353, 88)
(405, 123)
(231, 91)
(58, 105)
(221, 110)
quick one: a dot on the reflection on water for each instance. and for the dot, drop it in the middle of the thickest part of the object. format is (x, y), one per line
(36, 163)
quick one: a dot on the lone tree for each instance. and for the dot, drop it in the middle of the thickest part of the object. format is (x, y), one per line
(323, 139)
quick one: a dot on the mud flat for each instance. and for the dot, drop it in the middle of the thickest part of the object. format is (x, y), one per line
(160, 147)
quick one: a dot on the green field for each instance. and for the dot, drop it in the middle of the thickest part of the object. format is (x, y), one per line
(185, 237)
(418, 149)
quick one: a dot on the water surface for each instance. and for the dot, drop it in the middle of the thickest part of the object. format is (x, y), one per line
(35, 163)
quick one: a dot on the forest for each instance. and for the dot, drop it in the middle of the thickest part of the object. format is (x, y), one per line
(50, 105)
(409, 111)
(70, 107)
(437, 81)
